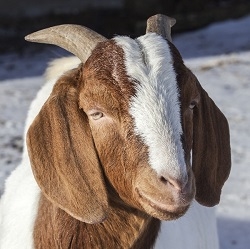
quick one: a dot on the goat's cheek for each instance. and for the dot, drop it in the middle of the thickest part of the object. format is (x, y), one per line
(110, 149)
(105, 141)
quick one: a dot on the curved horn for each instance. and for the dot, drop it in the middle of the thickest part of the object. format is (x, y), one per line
(76, 39)
(161, 25)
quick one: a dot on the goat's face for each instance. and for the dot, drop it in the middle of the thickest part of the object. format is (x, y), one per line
(129, 119)
(136, 126)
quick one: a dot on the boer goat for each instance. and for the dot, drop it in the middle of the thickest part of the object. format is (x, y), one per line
(117, 147)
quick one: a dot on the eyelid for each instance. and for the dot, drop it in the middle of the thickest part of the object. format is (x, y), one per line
(95, 113)
(192, 104)
(92, 110)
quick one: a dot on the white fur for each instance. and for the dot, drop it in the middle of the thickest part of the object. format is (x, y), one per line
(19, 206)
(156, 107)
(197, 229)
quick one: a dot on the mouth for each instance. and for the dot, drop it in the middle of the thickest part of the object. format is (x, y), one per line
(160, 209)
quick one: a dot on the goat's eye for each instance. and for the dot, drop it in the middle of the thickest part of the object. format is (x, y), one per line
(96, 115)
(192, 104)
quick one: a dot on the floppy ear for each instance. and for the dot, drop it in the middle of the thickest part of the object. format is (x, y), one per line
(211, 150)
(63, 155)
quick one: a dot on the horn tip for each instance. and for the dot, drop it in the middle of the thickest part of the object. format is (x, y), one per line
(33, 37)
(172, 21)
(161, 24)
(28, 38)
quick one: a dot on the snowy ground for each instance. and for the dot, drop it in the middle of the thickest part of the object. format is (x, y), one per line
(220, 57)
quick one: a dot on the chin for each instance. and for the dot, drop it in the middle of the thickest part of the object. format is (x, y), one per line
(164, 214)
(162, 210)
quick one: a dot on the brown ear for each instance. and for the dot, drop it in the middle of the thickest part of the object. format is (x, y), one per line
(211, 150)
(63, 155)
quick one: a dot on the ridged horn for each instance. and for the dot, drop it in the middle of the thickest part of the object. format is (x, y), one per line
(161, 25)
(76, 39)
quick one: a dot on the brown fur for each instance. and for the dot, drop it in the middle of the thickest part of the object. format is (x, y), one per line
(206, 132)
(89, 173)
(125, 228)
(60, 154)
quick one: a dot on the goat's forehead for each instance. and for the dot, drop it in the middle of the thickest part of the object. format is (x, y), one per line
(155, 107)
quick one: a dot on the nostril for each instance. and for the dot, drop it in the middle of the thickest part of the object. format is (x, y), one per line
(173, 183)
(163, 180)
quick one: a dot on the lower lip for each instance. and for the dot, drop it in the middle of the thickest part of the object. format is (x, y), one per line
(161, 207)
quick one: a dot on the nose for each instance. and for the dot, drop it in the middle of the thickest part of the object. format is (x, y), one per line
(175, 183)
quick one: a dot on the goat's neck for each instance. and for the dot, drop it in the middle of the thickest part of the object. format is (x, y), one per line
(124, 228)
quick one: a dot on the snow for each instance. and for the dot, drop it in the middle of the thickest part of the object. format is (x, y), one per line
(219, 55)
(227, 79)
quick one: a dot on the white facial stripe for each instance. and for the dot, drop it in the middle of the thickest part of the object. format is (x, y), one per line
(156, 107)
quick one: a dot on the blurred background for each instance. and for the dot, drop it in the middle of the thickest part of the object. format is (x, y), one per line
(18, 18)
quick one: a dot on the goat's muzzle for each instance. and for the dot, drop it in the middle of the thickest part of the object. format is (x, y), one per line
(164, 198)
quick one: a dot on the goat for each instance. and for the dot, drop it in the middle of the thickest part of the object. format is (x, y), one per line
(109, 148)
